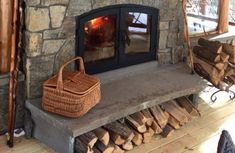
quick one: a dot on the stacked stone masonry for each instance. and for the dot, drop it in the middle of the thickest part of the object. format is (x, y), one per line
(50, 34)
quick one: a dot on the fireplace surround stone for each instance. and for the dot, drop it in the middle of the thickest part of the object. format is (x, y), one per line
(50, 34)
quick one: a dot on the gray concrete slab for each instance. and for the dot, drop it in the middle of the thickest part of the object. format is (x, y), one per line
(124, 92)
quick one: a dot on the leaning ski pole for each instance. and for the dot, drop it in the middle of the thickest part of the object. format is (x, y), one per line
(11, 100)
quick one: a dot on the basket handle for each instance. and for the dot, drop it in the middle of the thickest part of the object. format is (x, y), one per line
(60, 75)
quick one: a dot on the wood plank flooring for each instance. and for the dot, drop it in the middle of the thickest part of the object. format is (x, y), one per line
(200, 135)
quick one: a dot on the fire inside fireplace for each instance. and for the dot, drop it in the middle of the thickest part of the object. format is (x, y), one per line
(117, 36)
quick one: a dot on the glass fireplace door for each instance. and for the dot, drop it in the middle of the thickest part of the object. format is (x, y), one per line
(98, 42)
(117, 36)
(137, 35)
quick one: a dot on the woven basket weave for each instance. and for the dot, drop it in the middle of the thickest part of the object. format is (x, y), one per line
(71, 94)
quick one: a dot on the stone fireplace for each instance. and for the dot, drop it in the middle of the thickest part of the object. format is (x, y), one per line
(52, 35)
(114, 37)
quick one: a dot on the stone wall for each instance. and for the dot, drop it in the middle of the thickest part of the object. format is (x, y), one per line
(50, 34)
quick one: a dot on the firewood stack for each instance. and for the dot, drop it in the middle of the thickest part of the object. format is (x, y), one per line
(133, 130)
(215, 62)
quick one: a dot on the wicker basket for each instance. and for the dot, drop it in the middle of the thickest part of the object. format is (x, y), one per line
(71, 94)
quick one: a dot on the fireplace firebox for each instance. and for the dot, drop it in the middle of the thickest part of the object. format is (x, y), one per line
(117, 36)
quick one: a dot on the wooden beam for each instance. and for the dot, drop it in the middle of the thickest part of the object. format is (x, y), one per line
(6, 10)
(223, 16)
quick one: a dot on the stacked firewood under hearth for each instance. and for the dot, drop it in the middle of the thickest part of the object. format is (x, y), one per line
(215, 62)
(122, 135)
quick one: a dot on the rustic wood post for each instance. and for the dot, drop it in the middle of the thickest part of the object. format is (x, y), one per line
(5, 34)
(186, 36)
(12, 81)
(223, 16)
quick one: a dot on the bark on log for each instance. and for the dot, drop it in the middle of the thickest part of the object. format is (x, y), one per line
(159, 116)
(96, 150)
(176, 113)
(116, 138)
(173, 122)
(148, 117)
(81, 147)
(120, 129)
(229, 49)
(89, 139)
(103, 148)
(167, 131)
(232, 78)
(213, 46)
(206, 54)
(127, 146)
(102, 135)
(229, 71)
(186, 103)
(156, 128)
(183, 110)
(140, 128)
(224, 57)
(214, 75)
(139, 117)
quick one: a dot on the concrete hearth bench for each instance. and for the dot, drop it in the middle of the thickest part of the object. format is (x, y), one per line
(124, 91)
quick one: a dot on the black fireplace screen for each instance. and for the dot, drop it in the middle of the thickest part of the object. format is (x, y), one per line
(117, 36)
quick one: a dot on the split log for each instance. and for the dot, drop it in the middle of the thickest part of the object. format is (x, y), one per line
(102, 135)
(89, 139)
(127, 145)
(224, 57)
(213, 46)
(220, 66)
(148, 117)
(120, 129)
(190, 108)
(104, 149)
(140, 128)
(156, 128)
(151, 131)
(229, 71)
(139, 117)
(117, 149)
(232, 59)
(146, 137)
(96, 150)
(81, 147)
(137, 140)
(167, 131)
(159, 116)
(173, 122)
(206, 54)
(176, 113)
(232, 78)
(116, 138)
(229, 49)
(208, 71)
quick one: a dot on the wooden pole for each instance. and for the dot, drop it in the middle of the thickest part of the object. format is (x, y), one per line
(223, 16)
(186, 36)
(6, 7)
(12, 85)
